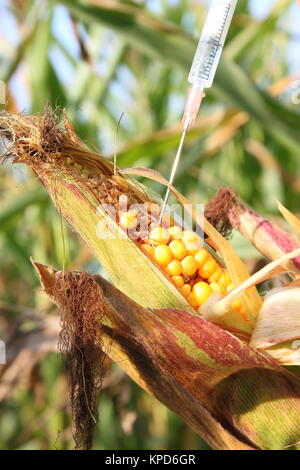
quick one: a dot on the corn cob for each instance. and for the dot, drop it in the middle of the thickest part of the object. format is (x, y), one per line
(182, 257)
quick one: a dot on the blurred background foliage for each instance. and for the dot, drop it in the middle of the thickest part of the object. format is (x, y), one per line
(99, 59)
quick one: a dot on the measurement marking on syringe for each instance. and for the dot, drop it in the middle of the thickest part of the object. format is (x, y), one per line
(215, 43)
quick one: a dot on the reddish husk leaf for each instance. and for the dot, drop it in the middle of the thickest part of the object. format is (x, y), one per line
(224, 211)
(234, 396)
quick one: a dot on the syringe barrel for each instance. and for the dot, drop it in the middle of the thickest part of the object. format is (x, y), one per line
(211, 43)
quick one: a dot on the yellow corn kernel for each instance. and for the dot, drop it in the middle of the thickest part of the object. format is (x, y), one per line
(215, 276)
(174, 268)
(148, 249)
(129, 220)
(159, 235)
(178, 249)
(163, 255)
(222, 281)
(189, 265)
(191, 240)
(215, 287)
(208, 269)
(190, 236)
(178, 281)
(227, 278)
(192, 252)
(202, 256)
(230, 287)
(202, 292)
(237, 304)
(186, 290)
(175, 232)
(192, 300)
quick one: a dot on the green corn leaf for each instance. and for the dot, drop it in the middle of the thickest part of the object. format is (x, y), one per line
(162, 41)
(16, 206)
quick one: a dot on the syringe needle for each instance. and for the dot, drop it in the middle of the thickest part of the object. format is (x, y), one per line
(173, 173)
(203, 69)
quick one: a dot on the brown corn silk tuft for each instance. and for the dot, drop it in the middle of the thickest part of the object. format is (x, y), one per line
(79, 299)
(218, 208)
(40, 141)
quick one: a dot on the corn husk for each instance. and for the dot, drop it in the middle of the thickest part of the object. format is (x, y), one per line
(69, 173)
(279, 319)
(291, 218)
(63, 166)
(232, 395)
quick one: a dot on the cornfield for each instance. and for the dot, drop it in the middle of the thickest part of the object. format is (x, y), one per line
(174, 332)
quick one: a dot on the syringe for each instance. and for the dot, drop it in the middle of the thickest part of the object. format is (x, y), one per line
(203, 69)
